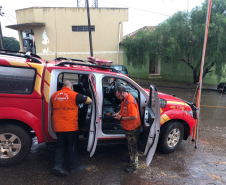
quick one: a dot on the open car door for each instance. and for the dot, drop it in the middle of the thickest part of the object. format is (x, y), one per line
(151, 127)
(93, 131)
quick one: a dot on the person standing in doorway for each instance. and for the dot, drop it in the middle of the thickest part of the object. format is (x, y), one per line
(65, 118)
(130, 119)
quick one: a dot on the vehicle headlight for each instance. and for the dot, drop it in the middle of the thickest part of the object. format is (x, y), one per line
(189, 112)
(162, 103)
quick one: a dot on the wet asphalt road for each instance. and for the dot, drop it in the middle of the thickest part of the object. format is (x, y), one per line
(203, 165)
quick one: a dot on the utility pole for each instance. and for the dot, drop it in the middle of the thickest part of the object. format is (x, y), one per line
(1, 37)
(90, 35)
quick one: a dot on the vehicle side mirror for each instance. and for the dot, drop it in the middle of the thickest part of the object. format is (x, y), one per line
(151, 95)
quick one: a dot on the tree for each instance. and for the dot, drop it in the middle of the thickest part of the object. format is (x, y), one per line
(11, 43)
(181, 38)
(136, 49)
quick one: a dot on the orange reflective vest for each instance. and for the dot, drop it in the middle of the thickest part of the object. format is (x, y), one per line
(129, 107)
(65, 110)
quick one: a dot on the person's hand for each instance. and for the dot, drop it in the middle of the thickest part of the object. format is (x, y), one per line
(118, 116)
(115, 115)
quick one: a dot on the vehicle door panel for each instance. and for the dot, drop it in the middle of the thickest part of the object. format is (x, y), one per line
(151, 124)
(93, 131)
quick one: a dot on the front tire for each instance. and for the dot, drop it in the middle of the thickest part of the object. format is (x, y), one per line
(171, 136)
(15, 144)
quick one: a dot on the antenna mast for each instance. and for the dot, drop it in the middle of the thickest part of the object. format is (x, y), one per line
(83, 3)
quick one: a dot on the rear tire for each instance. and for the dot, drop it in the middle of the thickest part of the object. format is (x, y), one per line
(15, 144)
(171, 136)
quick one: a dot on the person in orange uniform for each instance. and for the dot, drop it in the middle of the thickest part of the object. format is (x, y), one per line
(130, 120)
(65, 118)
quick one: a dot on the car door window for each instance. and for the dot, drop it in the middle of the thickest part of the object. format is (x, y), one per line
(67, 76)
(17, 80)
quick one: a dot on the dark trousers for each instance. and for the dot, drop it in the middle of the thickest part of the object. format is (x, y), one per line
(132, 142)
(67, 140)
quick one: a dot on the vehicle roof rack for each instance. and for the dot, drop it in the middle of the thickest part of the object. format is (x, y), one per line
(9, 53)
(94, 66)
(72, 59)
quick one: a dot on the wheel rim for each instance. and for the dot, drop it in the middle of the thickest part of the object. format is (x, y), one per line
(173, 137)
(10, 145)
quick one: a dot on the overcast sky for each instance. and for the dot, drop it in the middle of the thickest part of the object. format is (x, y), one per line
(141, 12)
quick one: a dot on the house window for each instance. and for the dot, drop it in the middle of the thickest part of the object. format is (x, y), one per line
(82, 28)
(17, 80)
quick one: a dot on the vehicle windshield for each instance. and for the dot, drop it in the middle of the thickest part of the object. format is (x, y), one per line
(122, 69)
(118, 68)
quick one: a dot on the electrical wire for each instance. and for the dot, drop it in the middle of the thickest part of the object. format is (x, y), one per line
(8, 13)
(9, 19)
(136, 8)
(6, 16)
